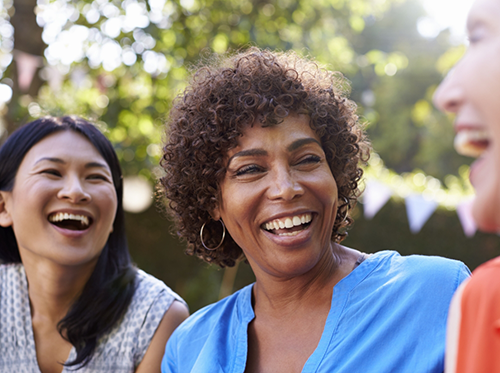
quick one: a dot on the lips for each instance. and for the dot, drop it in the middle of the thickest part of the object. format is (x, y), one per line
(471, 142)
(288, 226)
(75, 222)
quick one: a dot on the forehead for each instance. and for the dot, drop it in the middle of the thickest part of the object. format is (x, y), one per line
(292, 128)
(488, 10)
(64, 145)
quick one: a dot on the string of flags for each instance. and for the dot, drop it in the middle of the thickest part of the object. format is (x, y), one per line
(422, 194)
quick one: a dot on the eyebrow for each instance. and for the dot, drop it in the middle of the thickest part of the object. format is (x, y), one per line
(261, 152)
(301, 142)
(248, 153)
(60, 161)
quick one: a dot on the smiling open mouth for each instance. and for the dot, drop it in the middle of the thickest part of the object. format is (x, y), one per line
(72, 222)
(290, 226)
(471, 142)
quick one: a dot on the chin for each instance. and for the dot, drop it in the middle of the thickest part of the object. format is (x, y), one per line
(486, 214)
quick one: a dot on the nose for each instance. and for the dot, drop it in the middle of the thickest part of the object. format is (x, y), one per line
(73, 191)
(284, 185)
(449, 95)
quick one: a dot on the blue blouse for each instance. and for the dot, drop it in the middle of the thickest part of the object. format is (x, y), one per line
(388, 315)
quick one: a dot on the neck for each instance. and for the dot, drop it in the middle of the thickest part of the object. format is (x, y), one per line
(311, 289)
(52, 288)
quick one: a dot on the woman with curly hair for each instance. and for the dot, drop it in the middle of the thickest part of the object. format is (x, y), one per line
(262, 164)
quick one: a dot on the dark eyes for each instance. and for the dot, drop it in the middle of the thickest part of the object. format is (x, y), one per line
(53, 172)
(98, 177)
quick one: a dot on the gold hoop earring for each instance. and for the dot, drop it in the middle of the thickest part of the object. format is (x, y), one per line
(346, 211)
(221, 241)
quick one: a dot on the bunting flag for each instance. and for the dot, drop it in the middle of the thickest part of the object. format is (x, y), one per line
(419, 209)
(54, 77)
(464, 212)
(375, 196)
(422, 194)
(27, 65)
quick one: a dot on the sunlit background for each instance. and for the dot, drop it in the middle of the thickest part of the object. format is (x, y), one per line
(445, 14)
(121, 63)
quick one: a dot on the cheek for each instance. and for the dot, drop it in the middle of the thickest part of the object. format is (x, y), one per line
(487, 186)
(480, 72)
(108, 203)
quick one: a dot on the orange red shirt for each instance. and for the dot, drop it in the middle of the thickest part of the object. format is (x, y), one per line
(473, 336)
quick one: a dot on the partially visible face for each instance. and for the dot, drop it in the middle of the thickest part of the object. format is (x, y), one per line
(279, 198)
(63, 203)
(472, 92)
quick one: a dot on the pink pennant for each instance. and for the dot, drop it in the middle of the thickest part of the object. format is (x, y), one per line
(464, 212)
(27, 65)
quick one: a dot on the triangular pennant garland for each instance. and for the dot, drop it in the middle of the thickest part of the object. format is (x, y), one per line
(375, 197)
(419, 209)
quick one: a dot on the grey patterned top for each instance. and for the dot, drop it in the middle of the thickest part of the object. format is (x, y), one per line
(120, 351)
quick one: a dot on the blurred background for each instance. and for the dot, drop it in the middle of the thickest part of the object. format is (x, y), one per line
(120, 64)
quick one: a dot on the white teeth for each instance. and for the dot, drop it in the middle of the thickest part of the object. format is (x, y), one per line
(289, 222)
(471, 142)
(60, 216)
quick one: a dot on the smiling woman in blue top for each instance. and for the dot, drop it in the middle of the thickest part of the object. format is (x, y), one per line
(262, 164)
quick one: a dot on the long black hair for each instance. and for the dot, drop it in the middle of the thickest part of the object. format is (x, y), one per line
(110, 288)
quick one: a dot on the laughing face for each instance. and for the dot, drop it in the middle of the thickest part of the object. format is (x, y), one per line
(279, 198)
(472, 92)
(63, 203)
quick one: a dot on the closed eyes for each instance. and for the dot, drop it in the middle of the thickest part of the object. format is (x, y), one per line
(247, 170)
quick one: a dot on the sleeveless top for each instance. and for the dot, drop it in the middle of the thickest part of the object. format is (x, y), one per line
(119, 351)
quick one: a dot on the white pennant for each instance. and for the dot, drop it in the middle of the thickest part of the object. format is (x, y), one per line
(54, 77)
(464, 212)
(419, 209)
(375, 197)
(27, 64)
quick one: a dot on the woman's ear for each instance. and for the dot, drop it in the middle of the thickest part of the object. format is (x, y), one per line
(215, 214)
(5, 218)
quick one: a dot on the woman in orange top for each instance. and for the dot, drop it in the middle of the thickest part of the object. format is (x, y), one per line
(472, 92)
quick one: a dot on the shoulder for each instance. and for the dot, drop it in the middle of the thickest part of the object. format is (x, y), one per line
(202, 338)
(483, 286)
(11, 268)
(423, 266)
(430, 277)
(149, 288)
(150, 303)
(204, 320)
(11, 274)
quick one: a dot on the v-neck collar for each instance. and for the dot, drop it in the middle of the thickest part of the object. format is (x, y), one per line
(340, 295)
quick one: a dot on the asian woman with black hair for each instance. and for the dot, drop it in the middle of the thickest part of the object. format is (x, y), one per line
(70, 297)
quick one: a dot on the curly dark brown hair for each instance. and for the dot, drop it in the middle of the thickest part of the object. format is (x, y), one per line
(230, 93)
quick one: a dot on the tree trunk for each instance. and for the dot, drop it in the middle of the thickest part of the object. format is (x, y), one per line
(27, 39)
